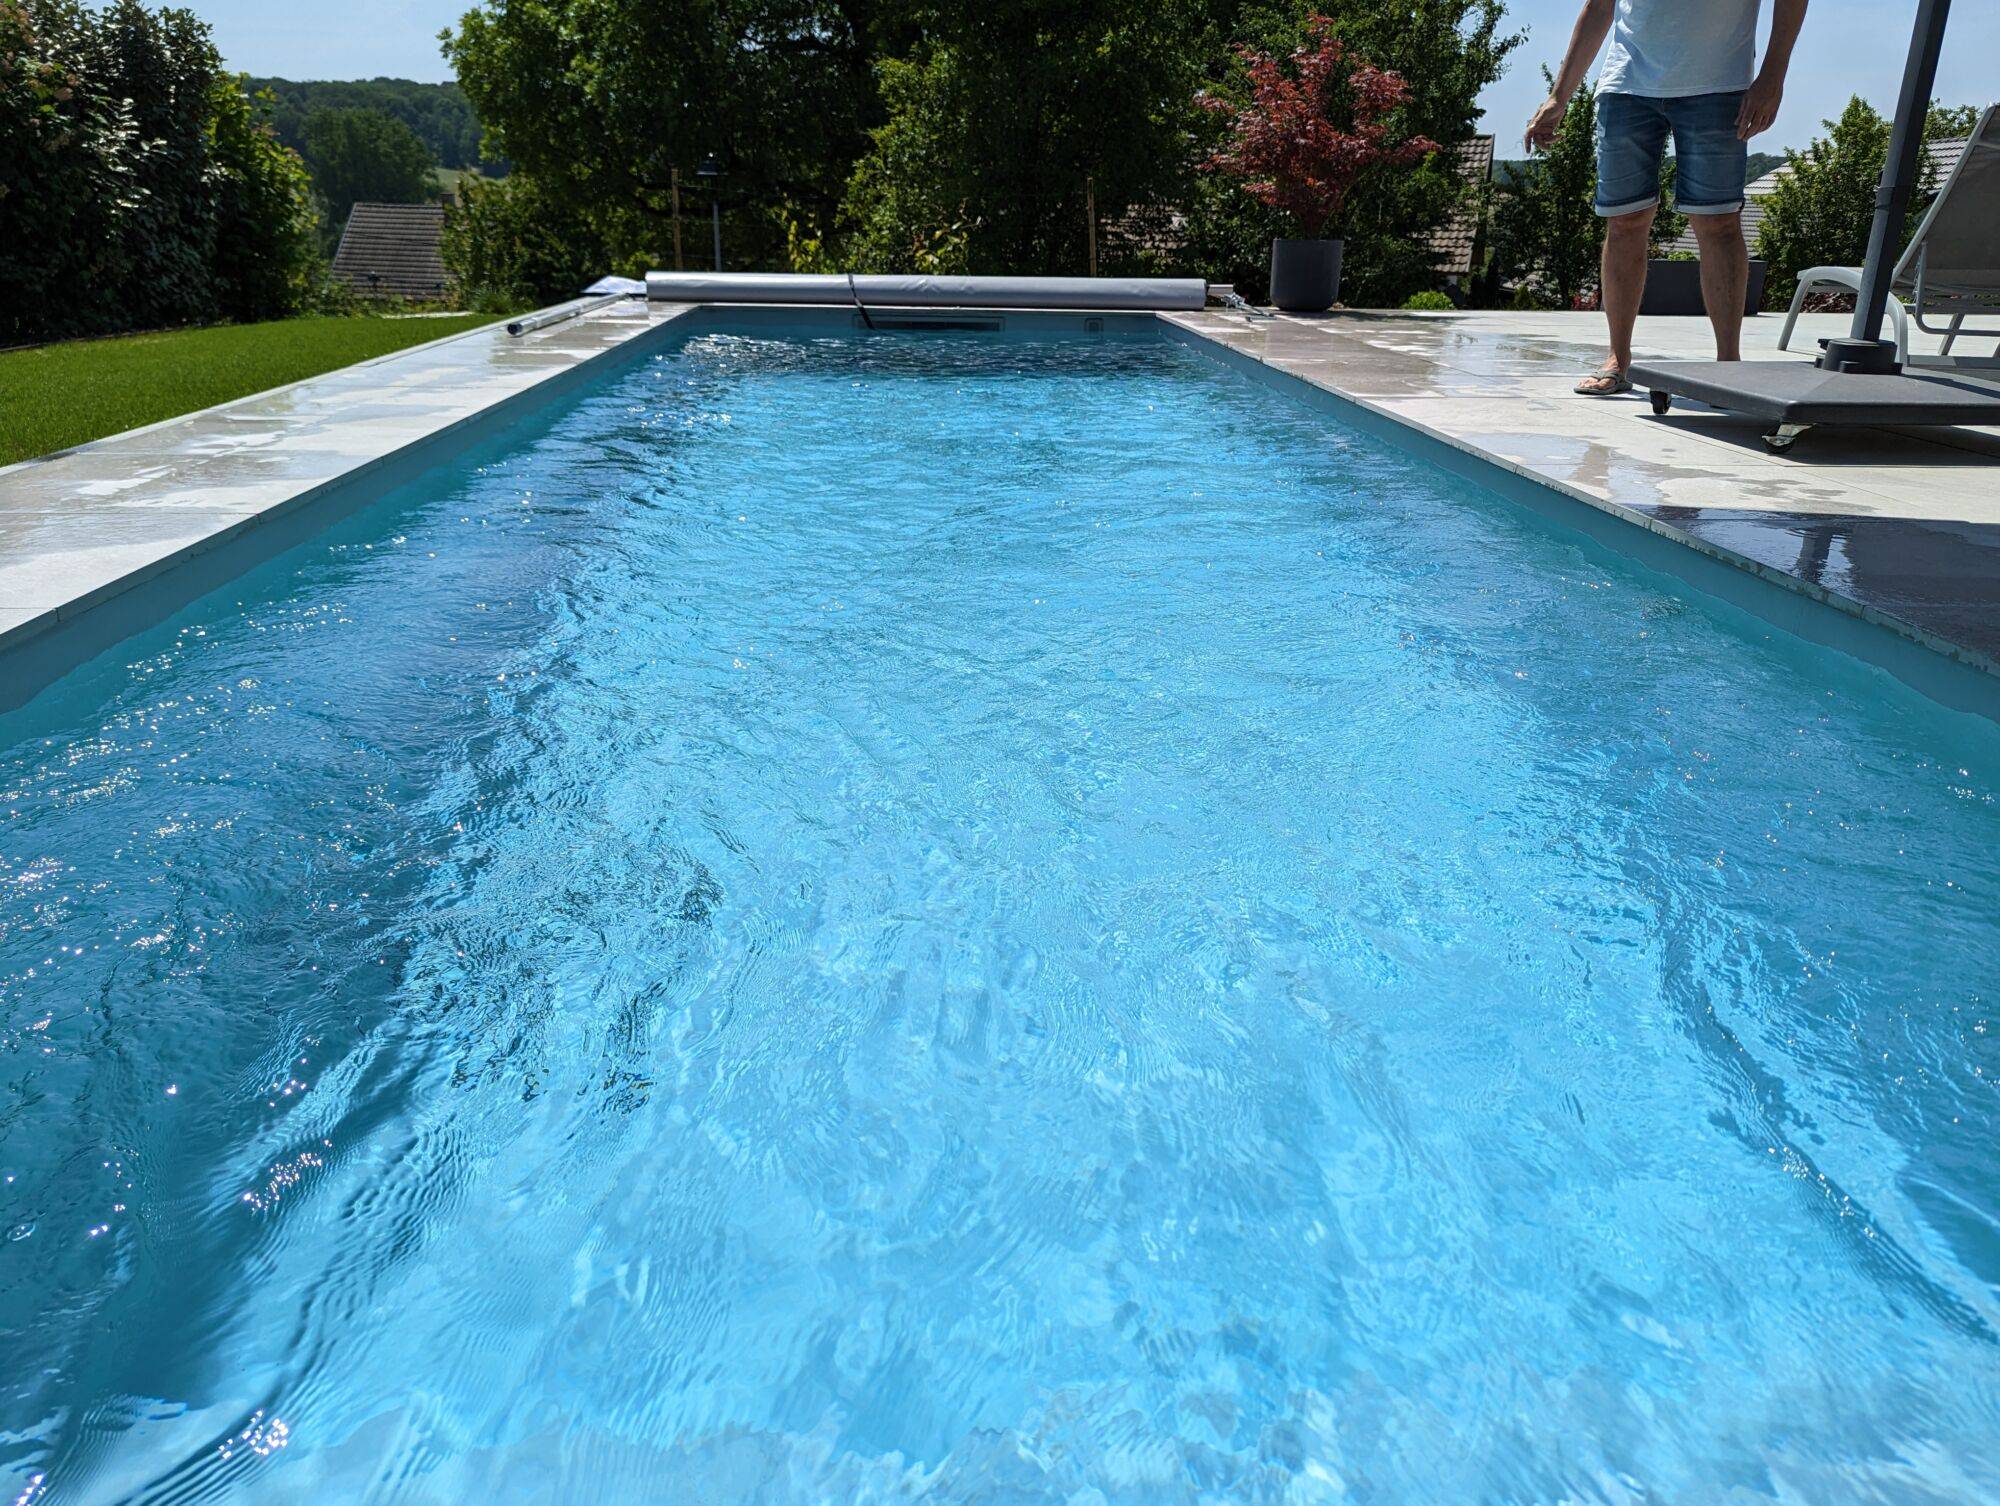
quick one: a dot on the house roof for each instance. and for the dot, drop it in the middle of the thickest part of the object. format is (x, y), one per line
(1944, 156)
(1753, 217)
(391, 250)
(1453, 242)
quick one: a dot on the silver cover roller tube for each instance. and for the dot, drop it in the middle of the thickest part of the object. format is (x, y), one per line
(879, 291)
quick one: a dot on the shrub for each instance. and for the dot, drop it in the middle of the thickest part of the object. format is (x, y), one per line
(1446, 52)
(364, 156)
(64, 170)
(1309, 133)
(267, 261)
(1429, 301)
(506, 245)
(131, 163)
(903, 212)
(1821, 211)
(1545, 232)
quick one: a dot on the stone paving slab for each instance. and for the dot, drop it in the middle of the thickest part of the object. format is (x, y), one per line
(1900, 526)
(86, 527)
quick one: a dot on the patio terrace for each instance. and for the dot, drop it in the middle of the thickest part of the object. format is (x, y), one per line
(1899, 528)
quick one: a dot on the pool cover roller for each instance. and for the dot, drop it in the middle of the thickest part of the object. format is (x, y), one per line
(890, 292)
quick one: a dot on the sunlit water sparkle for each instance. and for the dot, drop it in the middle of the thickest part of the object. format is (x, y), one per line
(958, 918)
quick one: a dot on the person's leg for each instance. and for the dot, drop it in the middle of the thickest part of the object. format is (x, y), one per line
(1725, 273)
(1623, 266)
(1631, 140)
(1708, 184)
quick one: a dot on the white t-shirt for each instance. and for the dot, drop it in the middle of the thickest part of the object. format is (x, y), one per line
(1665, 49)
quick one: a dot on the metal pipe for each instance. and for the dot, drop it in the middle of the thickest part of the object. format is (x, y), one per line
(1864, 348)
(1090, 219)
(710, 173)
(531, 322)
(676, 182)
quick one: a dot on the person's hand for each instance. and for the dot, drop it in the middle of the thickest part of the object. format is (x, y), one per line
(1546, 121)
(1760, 106)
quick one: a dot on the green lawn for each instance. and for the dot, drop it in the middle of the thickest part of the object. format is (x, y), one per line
(56, 396)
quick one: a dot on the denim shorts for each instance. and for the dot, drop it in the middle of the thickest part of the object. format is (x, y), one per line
(1632, 132)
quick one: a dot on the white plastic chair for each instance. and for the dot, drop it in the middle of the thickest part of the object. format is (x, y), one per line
(1951, 267)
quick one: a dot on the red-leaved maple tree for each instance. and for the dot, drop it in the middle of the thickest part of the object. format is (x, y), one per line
(1309, 132)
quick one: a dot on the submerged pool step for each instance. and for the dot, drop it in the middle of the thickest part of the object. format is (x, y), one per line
(962, 322)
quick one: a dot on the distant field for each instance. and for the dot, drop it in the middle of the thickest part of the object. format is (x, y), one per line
(55, 396)
(447, 179)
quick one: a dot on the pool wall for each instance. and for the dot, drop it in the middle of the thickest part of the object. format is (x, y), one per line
(1933, 666)
(43, 642)
(37, 648)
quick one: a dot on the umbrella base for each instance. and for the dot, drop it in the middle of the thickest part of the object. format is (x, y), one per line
(1793, 396)
(1876, 357)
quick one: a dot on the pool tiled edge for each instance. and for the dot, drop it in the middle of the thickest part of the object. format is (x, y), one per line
(103, 540)
(1694, 504)
(1899, 533)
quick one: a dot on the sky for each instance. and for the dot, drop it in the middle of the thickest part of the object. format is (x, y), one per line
(1848, 47)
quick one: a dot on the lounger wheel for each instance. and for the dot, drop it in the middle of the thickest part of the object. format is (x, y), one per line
(1661, 400)
(1778, 441)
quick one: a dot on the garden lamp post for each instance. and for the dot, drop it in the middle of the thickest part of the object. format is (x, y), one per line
(710, 173)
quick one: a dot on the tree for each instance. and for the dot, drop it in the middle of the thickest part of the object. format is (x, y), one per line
(1447, 52)
(1950, 122)
(1821, 211)
(1546, 231)
(892, 134)
(1309, 133)
(1668, 221)
(364, 157)
(598, 101)
(440, 114)
(1004, 119)
(266, 255)
(130, 161)
(505, 244)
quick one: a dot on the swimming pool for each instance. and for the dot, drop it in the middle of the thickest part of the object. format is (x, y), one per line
(971, 917)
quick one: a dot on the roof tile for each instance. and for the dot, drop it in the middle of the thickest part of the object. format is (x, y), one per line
(391, 250)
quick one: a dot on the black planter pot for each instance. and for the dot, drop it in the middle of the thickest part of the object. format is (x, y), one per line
(1674, 287)
(1305, 275)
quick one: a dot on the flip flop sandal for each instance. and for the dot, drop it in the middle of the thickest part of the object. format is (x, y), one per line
(1606, 383)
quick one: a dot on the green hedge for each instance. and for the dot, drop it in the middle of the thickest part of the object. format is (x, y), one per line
(139, 185)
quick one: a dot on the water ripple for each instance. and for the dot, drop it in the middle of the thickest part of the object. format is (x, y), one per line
(970, 919)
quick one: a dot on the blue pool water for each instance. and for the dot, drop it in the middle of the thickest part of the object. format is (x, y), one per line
(953, 918)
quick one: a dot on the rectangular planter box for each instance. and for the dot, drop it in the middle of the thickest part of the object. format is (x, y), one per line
(1674, 287)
